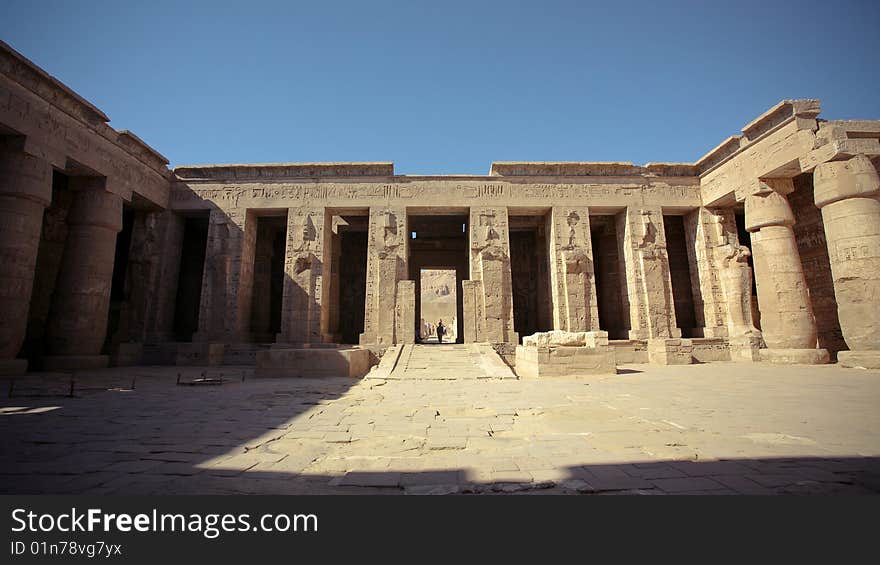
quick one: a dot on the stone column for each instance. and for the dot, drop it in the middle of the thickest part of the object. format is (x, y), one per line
(572, 276)
(25, 191)
(490, 264)
(848, 193)
(787, 322)
(77, 324)
(305, 288)
(387, 258)
(649, 286)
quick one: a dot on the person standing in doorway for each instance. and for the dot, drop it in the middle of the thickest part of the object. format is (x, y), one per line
(441, 329)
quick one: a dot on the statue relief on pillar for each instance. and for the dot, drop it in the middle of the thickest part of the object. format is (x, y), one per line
(736, 276)
(304, 235)
(486, 243)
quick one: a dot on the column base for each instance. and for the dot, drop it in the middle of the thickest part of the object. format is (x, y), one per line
(795, 356)
(670, 351)
(745, 349)
(860, 359)
(13, 366)
(75, 362)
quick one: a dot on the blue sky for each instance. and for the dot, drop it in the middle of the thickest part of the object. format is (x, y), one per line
(448, 86)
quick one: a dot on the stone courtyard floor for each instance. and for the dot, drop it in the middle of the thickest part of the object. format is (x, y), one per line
(717, 428)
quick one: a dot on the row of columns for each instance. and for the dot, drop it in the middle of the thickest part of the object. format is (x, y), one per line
(77, 322)
(846, 192)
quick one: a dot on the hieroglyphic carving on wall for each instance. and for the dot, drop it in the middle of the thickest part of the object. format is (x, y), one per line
(425, 191)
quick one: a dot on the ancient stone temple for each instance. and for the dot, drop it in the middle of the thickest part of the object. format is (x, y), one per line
(766, 249)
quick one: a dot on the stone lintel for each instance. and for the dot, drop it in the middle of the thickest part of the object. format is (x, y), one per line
(246, 171)
(587, 169)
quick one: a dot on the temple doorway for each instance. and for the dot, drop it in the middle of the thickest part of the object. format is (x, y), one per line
(438, 262)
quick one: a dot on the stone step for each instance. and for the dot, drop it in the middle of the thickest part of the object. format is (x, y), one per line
(447, 362)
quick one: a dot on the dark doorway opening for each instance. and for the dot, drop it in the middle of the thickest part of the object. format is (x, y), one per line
(680, 274)
(268, 289)
(349, 277)
(189, 283)
(608, 269)
(530, 273)
(118, 294)
(439, 242)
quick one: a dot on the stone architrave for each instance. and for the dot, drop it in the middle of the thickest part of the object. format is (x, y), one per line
(787, 321)
(227, 279)
(848, 193)
(305, 292)
(25, 191)
(77, 323)
(572, 276)
(387, 242)
(490, 264)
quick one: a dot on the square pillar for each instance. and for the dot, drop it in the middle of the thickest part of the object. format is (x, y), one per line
(227, 282)
(303, 316)
(490, 264)
(648, 281)
(160, 317)
(387, 264)
(572, 275)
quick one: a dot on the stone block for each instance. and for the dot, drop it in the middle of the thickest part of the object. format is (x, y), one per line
(674, 351)
(795, 356)
(745, 349)
(313, 362)
(210, 354)
(629, 351)
(565, 361)
(862, 359)
(707, 350)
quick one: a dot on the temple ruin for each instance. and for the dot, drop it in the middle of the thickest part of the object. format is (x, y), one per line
(766, 249)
